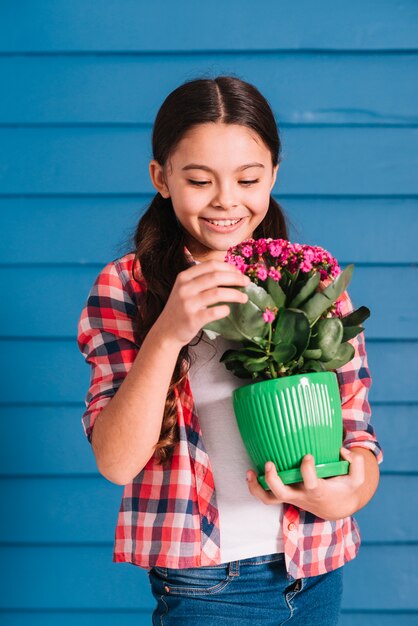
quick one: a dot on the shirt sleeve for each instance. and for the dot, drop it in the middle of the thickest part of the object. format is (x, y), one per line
(355, 381)
(106, 339)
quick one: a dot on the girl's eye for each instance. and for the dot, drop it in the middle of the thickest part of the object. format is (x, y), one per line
(204, 182)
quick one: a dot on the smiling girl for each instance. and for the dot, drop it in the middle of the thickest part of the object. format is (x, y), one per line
(159, 409)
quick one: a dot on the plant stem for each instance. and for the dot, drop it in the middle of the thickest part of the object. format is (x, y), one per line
(272, 370)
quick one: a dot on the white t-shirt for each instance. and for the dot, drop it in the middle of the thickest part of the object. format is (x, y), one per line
(248, 527)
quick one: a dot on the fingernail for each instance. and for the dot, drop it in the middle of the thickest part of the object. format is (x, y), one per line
(269, 466)
(249, 477)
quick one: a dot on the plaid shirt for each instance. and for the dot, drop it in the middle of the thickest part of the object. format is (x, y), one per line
(169, 518)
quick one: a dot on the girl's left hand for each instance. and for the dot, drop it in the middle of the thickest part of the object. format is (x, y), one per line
(329, 498)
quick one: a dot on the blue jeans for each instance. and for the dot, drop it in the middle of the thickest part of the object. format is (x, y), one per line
(249, 592)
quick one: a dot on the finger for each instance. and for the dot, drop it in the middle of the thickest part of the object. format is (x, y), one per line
(275, 483)
(218, 278)
(220, 294)
(209, 268)
(268, 497)
(308, 471)
(357, 469)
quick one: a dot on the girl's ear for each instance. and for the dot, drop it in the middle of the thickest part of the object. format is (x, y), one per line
(273, 180)
(157, 177)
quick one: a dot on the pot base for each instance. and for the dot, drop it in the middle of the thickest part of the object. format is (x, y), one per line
(323, 470)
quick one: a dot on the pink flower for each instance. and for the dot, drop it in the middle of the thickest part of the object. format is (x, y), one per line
(260, 246)
(306, 266)
(247, 251)
(274, 248)
(261, 272)
(268, 316)
(274, 274)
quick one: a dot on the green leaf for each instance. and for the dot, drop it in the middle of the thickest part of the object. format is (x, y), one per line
(323, 300)
(258, 295)
(276, 292)
(355, 318)
(344, 354)
(292, 327)
(243, 321)
(350, 332)
(312, 354)
(253, 351)
(232, 355)
(255, 367)
(238, 370)
(283, 352)
(314, 366)
(306, 291)
(261, 359)
(330, 334)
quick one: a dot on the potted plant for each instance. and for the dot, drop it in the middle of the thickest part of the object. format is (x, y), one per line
(291, 337)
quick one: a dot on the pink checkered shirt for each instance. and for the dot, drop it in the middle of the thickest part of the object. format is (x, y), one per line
(169, 518)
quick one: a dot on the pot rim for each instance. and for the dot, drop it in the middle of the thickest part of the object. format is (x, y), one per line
(273, 381)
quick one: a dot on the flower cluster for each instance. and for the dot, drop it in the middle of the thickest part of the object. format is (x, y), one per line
(261, 259)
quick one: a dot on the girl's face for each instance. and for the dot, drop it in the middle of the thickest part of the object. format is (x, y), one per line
(220, 172)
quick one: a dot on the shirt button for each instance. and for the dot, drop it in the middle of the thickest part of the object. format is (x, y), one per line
(291, 526)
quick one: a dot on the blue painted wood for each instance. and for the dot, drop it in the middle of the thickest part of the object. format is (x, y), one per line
(57, 295)
(303, 87)
(60, 444)
(316, 160)
(81, 577)
(123, 618)
(33, 370)
(55, 25)
(80, 230)
(62, 448)
(84, 509)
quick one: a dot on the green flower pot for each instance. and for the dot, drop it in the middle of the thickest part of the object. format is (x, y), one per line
(283, 419)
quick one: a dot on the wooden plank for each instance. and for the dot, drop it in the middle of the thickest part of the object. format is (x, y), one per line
(84, 509)
(55, 25)
(380, 578)
(62, 448)
(37, 371)
(114, 160)
(58, 294)
(84, 229)
(45, 440)
(381, 89)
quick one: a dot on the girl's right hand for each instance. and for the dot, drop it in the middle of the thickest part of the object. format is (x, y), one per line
(188, 307)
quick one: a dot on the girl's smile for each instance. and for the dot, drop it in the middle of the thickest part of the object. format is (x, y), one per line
(219, 179)
(224, 226)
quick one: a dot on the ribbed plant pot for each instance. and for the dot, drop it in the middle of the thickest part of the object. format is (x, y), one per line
(283, 419)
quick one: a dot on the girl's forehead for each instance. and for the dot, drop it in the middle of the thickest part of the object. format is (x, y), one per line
(209, 144)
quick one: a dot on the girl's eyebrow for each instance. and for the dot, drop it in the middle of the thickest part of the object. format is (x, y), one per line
(195, 166)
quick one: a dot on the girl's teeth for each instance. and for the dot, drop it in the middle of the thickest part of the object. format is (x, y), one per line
(224, 223)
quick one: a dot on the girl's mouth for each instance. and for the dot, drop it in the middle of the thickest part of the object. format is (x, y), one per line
(223, 226)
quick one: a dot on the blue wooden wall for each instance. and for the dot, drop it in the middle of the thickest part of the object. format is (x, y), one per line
(81, 83)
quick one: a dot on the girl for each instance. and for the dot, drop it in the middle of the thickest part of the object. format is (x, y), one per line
(159, 412)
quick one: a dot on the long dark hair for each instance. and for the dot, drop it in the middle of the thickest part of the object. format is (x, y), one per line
(159, 239)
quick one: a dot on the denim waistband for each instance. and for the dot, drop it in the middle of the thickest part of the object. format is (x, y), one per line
(252, 560)
(263, 558)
